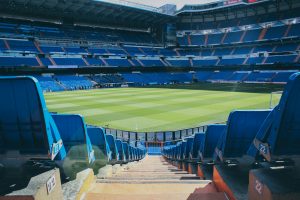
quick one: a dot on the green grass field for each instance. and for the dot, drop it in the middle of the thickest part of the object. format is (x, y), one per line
(153, 109)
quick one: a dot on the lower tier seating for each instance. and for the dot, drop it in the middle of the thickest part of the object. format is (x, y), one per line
(254, 156)
(34, 141)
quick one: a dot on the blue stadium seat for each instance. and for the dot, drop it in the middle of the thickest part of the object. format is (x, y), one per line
(101, 148)
(130, 152)
(126, 151)
(112, 146)
(28, 135)
(121, 152)
(206, 150)
(181, 150)
(198, 139)
(80, 154)
(242, 127)
(208, 145)
(188, 147)
(279, 135)
(234, 166)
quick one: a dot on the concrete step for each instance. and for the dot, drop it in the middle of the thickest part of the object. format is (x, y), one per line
(152, 178)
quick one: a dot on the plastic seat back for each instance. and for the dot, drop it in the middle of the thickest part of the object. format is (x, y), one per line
(198, 139)
(120, 149)
(26, 126)
(212, 136)
(242, 126)
(280, 133)
(74, 135)
(188, 147)
(126, 151)
(98, 140)
(112, 146)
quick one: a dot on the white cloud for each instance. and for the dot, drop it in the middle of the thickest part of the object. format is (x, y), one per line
(179, 3)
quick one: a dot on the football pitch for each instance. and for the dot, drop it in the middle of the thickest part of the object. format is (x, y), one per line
(153, 109)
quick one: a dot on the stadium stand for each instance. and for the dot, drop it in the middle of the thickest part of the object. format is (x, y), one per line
(34, 141)
(255, 155)
(74, 82)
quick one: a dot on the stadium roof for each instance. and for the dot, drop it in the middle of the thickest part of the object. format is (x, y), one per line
(102, 12)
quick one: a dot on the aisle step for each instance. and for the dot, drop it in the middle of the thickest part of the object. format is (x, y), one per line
(150, 179)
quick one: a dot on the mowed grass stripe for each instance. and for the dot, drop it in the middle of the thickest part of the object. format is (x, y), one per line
(130, 109)
(113, 96)
(145, 109)
(167, 99)
(203, 117)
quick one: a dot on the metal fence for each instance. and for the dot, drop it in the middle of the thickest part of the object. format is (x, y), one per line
(147, 137)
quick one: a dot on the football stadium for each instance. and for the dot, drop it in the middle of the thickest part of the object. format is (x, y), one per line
(150, 100)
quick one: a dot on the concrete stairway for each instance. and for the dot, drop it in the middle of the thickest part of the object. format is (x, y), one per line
(152, 178)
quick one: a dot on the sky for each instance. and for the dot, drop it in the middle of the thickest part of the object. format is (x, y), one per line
(179, 3)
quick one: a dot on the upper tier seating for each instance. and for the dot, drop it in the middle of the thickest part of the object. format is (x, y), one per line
(77, 33)
(69, 61)
(21, 45)
(17, 61)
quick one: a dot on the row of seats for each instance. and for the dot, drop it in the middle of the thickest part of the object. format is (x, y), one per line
(76, 33)
(240, 50)
(25, 45)
(64, 82)
(240, 36)
(33, 140)
(71, 82)
(28, 46)
(74, 82)
(254, 155)
(241, 21)
(34, 61)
